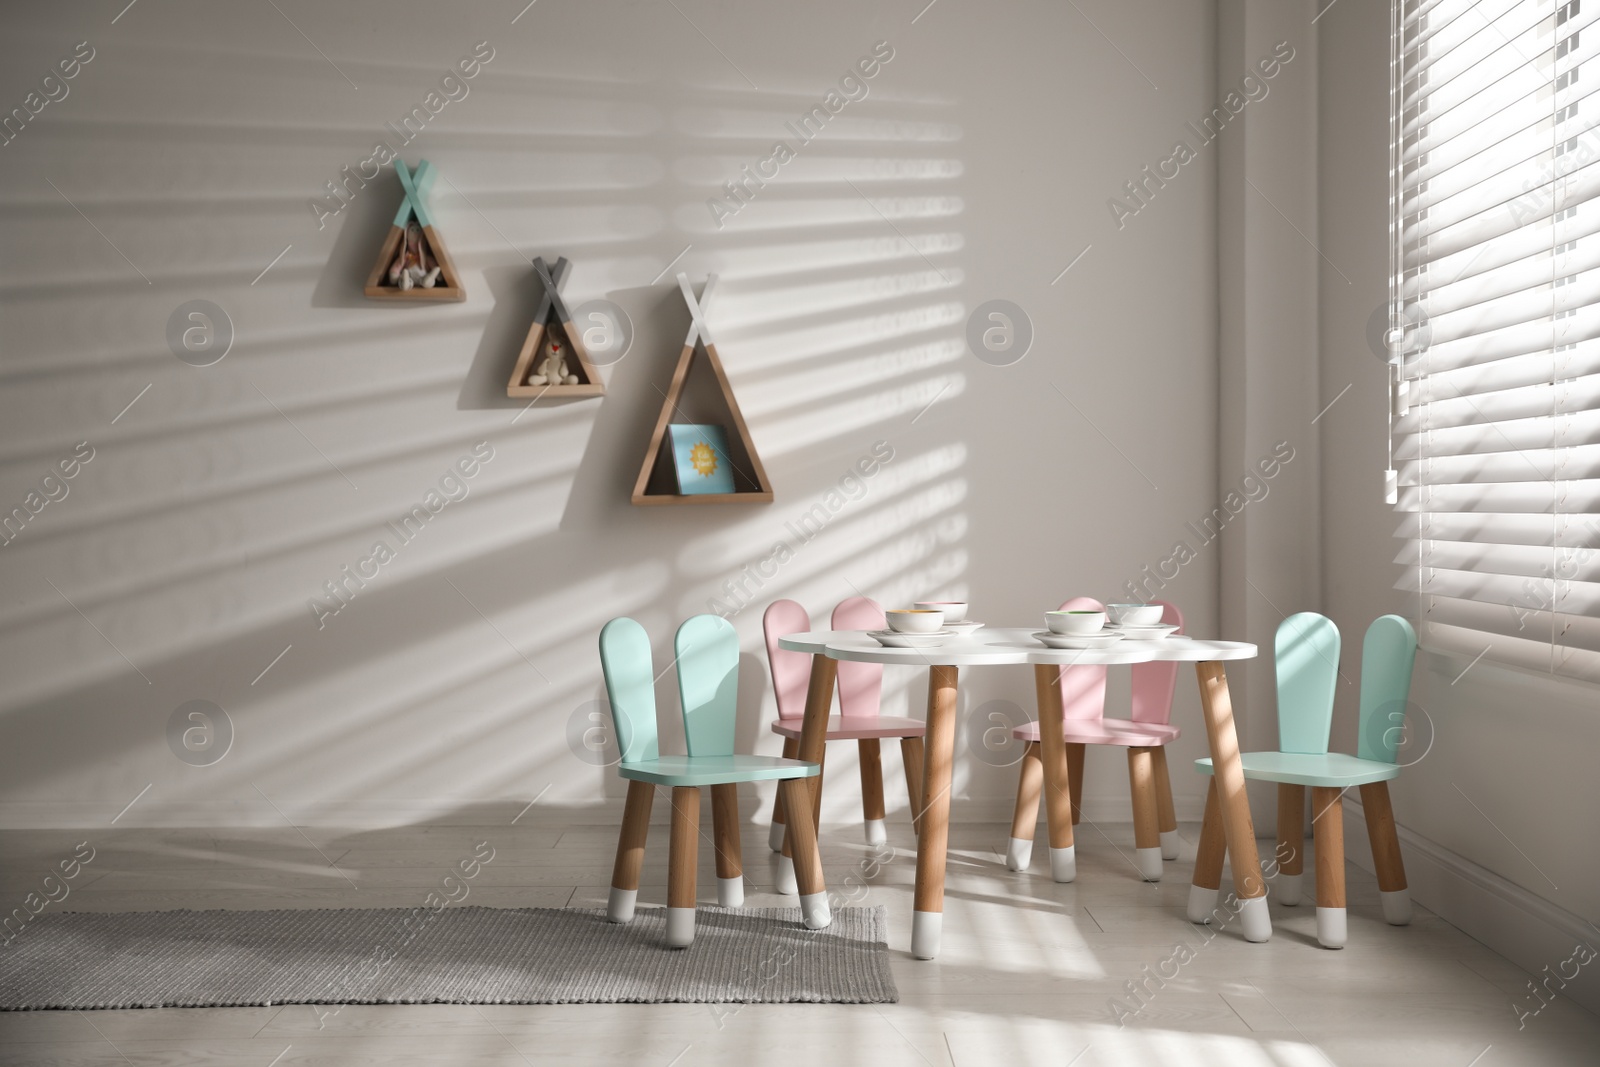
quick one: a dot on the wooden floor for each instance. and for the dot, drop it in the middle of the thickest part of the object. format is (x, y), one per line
(1028, 974)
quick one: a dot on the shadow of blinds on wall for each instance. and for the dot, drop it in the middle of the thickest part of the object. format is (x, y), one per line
(1495, 326)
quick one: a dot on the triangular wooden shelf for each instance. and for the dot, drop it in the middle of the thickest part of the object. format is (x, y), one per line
(751, 472)
(415, 206)
(553, 322)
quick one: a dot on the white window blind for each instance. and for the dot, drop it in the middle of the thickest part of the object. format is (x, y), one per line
(1495, 326)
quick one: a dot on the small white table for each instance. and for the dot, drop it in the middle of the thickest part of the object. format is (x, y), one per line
(1001, 647)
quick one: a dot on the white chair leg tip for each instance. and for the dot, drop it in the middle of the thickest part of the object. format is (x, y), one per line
(619, 908)
(925, 929)
(775, 837)
(786, 880)
(876, 832)
(730, 892)
(1331, 927)
(1171, 844)
(1289, 889)
(816, 913)
(1148, 861)
(1396, 907)
(1202, 903)
(680, 927)
(1064, 863)
(1019, 853)
(1254, 919)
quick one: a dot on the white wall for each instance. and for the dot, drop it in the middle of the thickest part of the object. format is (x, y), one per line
(1508, 784)
(182, 562)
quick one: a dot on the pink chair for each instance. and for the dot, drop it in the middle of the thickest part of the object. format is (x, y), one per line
(860, 686)
(1144, 735)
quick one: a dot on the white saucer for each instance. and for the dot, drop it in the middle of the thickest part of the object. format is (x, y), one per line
(1145, 633)
(963, 628)
(895, 639)
(1080, 642)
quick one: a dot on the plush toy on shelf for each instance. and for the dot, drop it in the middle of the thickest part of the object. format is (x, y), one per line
(552, 369)
(413, 266)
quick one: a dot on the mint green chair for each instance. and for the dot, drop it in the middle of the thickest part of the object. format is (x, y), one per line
(708, 683)
(1307, 660)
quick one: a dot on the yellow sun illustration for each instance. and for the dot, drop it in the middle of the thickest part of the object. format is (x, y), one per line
(703, 459)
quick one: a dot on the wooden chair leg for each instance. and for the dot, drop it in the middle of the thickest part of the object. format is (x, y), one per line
(791, 745)
(1075, 753)
(1025, 820)
(816, 790)
(872, 790)
(725, 828)
(807, 860)
(630, 852)
(1146, 824)
(1291, 855)
(1166, 811)
(1386, 853)
(1208, 857)
(913, 756)
(681, 865)
(1327, 829)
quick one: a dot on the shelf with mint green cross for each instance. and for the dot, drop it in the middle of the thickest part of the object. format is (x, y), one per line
(414, 263)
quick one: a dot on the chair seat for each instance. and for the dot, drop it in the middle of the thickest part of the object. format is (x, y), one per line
(1107, 732)
(1335, 770)
(715, 770)
(856, 727)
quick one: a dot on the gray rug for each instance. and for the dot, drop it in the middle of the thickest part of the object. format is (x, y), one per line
(465, 955)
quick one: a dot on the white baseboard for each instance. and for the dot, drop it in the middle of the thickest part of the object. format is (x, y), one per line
(1525, 928)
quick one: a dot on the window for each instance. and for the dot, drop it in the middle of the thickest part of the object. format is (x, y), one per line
(1494, 328)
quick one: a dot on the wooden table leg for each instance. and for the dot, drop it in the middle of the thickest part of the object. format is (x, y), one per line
(1208, 857)
(813, 740)
(932, 844)
(1057, 778)
(814, 907)
(1228, 775)
(791, 745)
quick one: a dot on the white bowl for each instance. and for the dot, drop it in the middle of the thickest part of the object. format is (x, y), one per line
(1075, 623)
(914, 621)
(1135, 614)
(954, 610)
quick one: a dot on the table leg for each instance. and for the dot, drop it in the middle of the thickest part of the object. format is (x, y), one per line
(1057, 777)
(1234, 804)
(933, 841)
(813, 739)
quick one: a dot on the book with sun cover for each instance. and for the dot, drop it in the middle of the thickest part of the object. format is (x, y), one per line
(700, 459)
